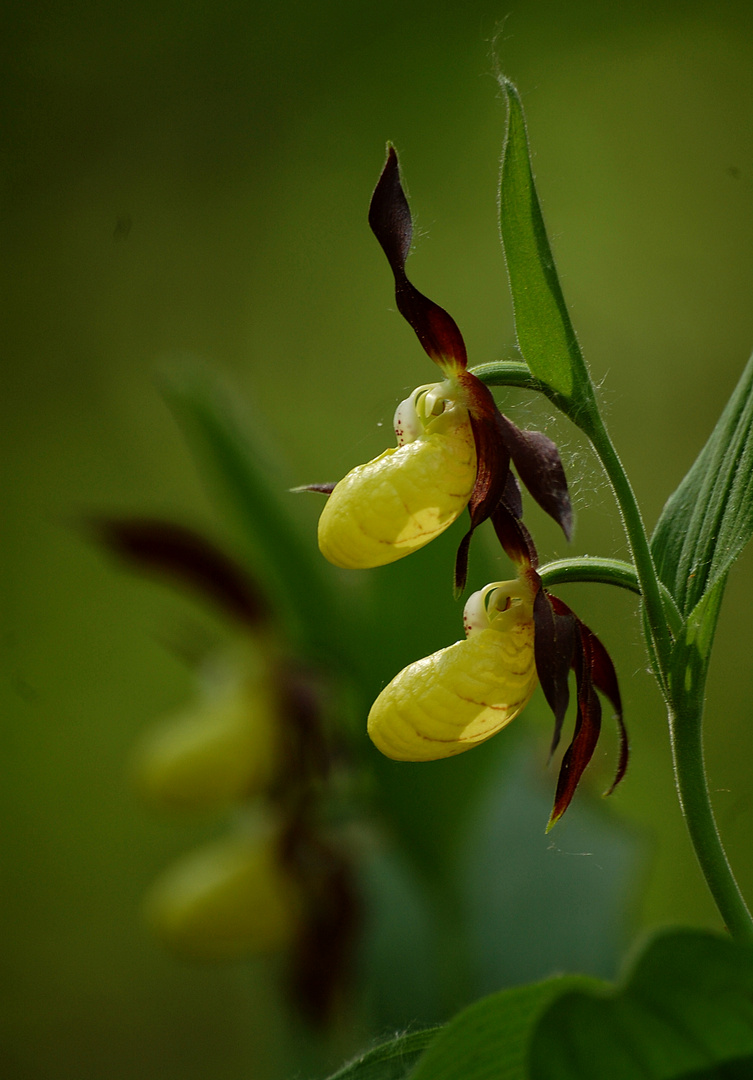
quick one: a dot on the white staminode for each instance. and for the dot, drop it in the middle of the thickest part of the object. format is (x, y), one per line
(413, 414)
(483, 607)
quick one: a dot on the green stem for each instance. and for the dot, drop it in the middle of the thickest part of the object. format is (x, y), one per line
(590, 568)
(615, 572)
(593, 426)
(685, 726)
(690, 776)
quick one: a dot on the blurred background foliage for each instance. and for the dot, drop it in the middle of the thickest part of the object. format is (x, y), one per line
(193, 179)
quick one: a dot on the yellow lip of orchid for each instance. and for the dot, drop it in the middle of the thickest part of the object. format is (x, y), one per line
(462, 695)
(411, 493)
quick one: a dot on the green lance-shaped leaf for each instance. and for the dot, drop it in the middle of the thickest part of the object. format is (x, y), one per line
(237, 461)
(708, 520)
(545, 334)
(692, 650)
(686, 1006)
(391, 1060)
(490, 1040)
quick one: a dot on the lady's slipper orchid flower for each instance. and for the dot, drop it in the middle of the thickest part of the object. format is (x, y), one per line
(517, 634)
(454, 446)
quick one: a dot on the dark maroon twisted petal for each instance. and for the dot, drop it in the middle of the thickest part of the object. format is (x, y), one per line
(586, 734)
(514, 536)
(604, 679)
(391, 223)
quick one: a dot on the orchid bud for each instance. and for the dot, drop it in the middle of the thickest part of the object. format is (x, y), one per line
(411, 493)
(228, 899)
(462, 695)
(221, 751)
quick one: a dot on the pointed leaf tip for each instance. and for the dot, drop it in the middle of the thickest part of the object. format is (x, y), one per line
(708, 520)
(545, 333)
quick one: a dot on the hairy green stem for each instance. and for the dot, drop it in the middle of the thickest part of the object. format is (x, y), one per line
(690, 776)
(593, 425)
(617, 572)
(590, 568)
(685, 723)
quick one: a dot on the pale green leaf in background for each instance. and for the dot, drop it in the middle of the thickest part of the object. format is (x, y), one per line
(242, 472)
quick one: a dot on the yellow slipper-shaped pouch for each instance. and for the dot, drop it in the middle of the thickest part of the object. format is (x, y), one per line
(411, 493)
(462, 695)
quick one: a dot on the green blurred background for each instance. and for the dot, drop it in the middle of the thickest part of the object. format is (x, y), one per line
(193, 179)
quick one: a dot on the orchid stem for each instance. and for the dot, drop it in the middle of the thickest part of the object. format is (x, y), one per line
(692, 787)
(623, 575)
(685, 726)
(593, 426)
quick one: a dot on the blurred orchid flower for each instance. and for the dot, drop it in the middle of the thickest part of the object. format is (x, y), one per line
(223, 748)
(232, 897)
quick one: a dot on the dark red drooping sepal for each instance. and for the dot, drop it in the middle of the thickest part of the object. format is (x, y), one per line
(391, 223)
(492, 466)
(562, 642)
(175, 552)
(554, 648)
(492, 473)
(538, 462)
(586, 735)
(604, 678)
